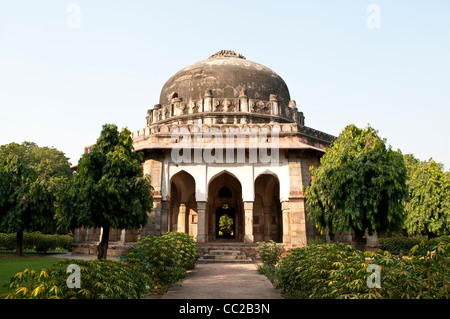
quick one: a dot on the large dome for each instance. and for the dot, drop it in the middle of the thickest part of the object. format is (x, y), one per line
(225, 74)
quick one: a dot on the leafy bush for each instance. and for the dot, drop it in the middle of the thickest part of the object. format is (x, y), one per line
(152, 265)
(316, 241)
(7, 241)
(187, 247)
(398, 244)
(36, 241)
(164, 259)
(340, 271)
(100, 279)
(269, 252)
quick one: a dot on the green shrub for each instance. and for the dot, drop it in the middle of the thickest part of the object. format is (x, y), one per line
(36, 241)
(187, 247)
(269, 252)
(164, 259)
(339, 271)
(316, 241)
(100, 279)
(399, 244)
(7, 241)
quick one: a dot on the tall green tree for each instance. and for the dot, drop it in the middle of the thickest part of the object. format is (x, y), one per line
(29, 178)
(109, 188)
(359, 186)
(427, 207)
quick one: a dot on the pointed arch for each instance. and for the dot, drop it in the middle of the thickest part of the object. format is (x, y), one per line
(182, 205)
(267, 209)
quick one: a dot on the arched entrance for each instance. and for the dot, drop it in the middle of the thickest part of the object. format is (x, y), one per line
(224, 208)
(267, 221)
(182, 206)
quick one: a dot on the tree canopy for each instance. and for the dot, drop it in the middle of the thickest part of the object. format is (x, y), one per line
(109, 189)
(359, 186)
(29, 179)
(427, 208)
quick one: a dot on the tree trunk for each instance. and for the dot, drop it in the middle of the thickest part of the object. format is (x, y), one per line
(103, 245)
(19, 243)
(360, 241)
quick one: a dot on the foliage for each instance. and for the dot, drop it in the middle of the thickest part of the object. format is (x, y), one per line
(109, 189)
(428, 204)
(359, 186)
(164, 259)
(316, 241)
(48, 163)
(225, 225)
(399, 244)
(270, 252)
(37, 241)
(100, 279)
(340, 271)
(187, 248)
(29, 179)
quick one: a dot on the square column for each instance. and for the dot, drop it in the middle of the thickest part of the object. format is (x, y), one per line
(248, 222)
(164, 217)
(267, 222)
(181, 224)
(201, 222)
(286, 217)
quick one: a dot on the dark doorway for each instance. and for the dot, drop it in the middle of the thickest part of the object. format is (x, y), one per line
(225, 222)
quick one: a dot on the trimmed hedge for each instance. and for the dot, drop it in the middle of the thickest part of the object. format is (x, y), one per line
(400, 244)
(36, 241)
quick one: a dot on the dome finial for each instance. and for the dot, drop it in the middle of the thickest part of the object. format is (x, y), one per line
(228, 54)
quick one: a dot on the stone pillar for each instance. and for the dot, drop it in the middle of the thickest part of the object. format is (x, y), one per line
(243, 101)
(164, 217)
(123, 236)
(149, 117)
(79, 235)
(248, 222)
(285, 215)
(267, 222)
(274, 102)
(155, 113)
(181, 224)
(298, 221)
(207, 101)
(201, 222)
(372, 241)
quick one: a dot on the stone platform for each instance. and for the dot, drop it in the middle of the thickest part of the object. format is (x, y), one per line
(239, 253)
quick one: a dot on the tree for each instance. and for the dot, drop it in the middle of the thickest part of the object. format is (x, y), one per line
(109, 189)
(427, 207)
(29, 178)
(359, 186)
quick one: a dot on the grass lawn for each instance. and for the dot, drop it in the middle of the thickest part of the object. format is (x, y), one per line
(10, 265)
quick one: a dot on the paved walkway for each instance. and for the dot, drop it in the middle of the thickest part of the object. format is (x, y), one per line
(224, 281)
(214, 281)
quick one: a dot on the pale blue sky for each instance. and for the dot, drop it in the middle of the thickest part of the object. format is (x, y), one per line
(59, 85)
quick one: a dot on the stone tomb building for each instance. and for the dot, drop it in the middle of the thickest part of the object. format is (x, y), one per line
(228, 154)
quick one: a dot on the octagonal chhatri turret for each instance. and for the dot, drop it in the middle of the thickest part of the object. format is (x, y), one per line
(225, 88)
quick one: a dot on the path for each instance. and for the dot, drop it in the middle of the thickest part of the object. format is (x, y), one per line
(214, 281)
(224, 281)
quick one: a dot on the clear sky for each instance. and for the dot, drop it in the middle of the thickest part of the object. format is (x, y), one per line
(68, 67)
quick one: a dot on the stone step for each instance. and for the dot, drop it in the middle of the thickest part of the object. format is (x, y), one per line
(226, 252)
(224, 257)
(247, 260)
